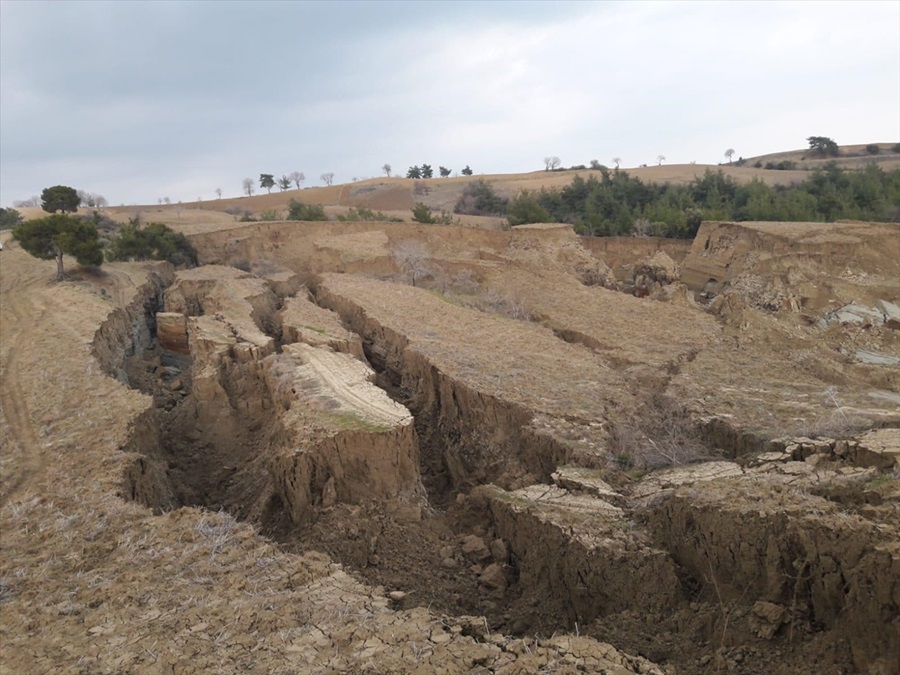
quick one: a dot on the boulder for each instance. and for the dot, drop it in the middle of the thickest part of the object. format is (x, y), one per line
(659, 268)
(891, 313)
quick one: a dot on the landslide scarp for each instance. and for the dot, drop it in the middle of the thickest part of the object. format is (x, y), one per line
(784, 554)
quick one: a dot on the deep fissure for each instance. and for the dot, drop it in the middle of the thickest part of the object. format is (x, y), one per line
(415, 549)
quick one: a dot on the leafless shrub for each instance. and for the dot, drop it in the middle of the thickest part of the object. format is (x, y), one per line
(464, 282)
(412, 258)
(834, 425)
(237, 211)
(659, 433)
(835, 422)
(641, 228)
(506, 303)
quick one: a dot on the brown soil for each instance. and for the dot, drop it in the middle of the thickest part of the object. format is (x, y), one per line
(223, 469)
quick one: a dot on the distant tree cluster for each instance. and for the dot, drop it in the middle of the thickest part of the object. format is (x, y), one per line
(154, 241)
(91, 200)
(426, 171)
(823, 146)
(613, 204)
(311, 212)
(479, 199)
(268, 180)
(9, 218)
(60, 234)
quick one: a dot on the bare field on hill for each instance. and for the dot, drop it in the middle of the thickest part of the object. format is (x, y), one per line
(396, 196)
(390, 447)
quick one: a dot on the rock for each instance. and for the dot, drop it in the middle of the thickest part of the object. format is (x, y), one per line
(876, 359)
(853, 314)
(891, 313)
(449, 564)
(659, 268)
(475, 549)
(767, 619)
(879, 448)
(329, 493)
(500, 551)
(578, 479)
(493, 577)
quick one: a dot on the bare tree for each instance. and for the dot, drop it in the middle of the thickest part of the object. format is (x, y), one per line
(297, 177)
(249, 186)
(166, 200)
(26, 203)
(551, 163)
(219, 193)
(327, 178)
(412, 257)
(387, 170)
(660, 159)
(729, 153)
(617, 161)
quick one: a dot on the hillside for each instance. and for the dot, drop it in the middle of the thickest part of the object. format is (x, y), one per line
(306, 455)
(396, 196)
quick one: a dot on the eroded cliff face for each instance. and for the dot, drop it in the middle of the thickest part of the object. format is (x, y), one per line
(250, 420)
(799, 267)
(127, 332)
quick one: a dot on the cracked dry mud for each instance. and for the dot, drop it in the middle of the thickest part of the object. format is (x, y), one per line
(315, 467)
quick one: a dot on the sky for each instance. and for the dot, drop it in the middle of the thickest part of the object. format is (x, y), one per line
(138, 101)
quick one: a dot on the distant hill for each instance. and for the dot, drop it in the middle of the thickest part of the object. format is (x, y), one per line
(396, 196)
(849, 157)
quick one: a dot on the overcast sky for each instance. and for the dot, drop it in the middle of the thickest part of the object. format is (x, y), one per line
(138, 101)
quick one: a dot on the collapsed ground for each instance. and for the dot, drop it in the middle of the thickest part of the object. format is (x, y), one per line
(484, 445)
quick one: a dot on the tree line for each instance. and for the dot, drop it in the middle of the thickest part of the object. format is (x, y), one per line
(618, 204)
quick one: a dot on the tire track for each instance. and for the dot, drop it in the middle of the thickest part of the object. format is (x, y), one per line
(20, 311)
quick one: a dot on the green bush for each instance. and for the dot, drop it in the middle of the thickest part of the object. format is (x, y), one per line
(9, 218)
(784, 165)
(479, 199)
(421, 213)
(311, 212)
(51, 237)
(823, 146)
(873, 149)
(154, 241)
(361, 213)
(526, 208)
(269, 215)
